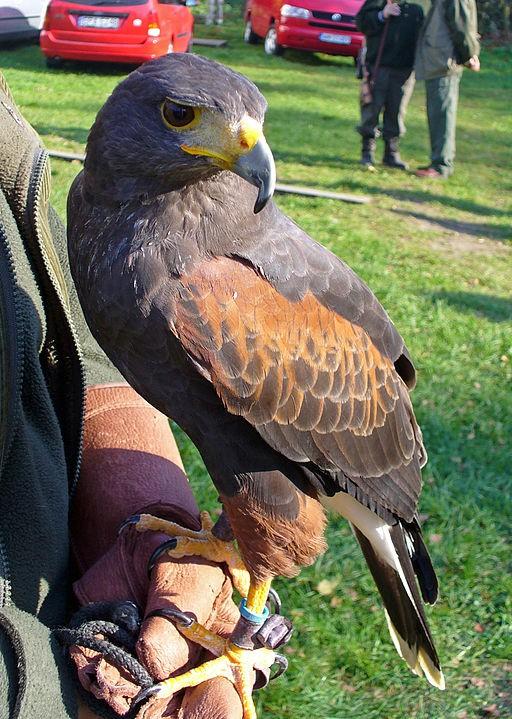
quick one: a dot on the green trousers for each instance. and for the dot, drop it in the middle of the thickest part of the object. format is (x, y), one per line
(442, 99)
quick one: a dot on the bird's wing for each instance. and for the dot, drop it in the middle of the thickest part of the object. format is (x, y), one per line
(313, 384)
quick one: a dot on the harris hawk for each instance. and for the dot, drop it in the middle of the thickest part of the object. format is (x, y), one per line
(267, 349)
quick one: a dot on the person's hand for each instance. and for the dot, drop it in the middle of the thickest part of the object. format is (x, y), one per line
(391, 9)
(192, 585)
(130, 461)
(473, 63)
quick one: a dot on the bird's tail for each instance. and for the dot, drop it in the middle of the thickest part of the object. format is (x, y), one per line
(396, 556)
(403, 607)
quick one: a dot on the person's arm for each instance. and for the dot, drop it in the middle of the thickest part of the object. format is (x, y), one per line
(461, 17)
(131, 464)
(372, 16)
(369, 19)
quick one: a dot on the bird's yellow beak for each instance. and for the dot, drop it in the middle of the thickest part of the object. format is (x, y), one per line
(245, 152)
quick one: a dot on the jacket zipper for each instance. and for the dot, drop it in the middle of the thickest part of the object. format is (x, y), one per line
(39, 185)
(13, 342)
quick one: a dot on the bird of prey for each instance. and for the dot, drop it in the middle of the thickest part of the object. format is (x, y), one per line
(268, 350)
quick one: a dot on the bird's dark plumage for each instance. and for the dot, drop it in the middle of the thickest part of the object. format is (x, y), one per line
(266, 348)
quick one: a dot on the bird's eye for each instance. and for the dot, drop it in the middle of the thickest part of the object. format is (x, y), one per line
(177, 116)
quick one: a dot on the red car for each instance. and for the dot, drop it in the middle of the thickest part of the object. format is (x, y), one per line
(314, 25)
(130, 31)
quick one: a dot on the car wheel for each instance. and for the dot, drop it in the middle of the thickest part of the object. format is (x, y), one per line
(53, 62)
(272, 47)
(249, 34)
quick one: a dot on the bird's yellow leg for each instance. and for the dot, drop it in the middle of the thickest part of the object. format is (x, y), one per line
(202, 543)
(233, 662)
(257, 596)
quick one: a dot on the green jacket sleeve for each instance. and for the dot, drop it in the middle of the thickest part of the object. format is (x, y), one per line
(31, 669)
(461, 17)
(98, 369)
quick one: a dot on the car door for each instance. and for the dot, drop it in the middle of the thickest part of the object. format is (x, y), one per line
(176, 22)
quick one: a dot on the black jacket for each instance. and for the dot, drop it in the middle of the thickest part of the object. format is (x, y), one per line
(402, 33)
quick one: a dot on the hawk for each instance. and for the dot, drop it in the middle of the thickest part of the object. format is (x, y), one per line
(267, 349)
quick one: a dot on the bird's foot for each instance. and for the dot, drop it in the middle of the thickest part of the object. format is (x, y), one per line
(232, 662)
(188, 542)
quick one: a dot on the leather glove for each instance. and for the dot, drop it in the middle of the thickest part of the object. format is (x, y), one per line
(131, 464)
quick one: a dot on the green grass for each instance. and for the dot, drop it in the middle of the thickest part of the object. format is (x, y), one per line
(439, 257)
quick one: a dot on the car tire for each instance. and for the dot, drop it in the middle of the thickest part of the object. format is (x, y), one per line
(249, 34)
(54, 63)
(271, 45)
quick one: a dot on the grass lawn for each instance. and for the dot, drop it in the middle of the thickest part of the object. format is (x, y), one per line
(439, 257)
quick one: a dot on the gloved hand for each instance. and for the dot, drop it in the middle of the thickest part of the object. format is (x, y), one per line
(189, 584)
(391, 9)
(131, 463)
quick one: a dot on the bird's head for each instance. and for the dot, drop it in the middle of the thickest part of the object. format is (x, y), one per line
(175, 121)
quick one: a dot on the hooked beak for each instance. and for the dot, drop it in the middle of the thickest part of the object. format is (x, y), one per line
(258, 168)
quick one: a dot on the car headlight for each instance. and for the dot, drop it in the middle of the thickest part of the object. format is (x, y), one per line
(293, 11)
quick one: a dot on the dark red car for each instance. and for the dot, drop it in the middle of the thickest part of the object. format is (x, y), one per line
(314, 25)
(131, 31)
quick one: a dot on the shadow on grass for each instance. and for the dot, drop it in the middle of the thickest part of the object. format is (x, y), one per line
(496, 309)
(76, 134)
(22, 58)
(477, 229)
(422, 196)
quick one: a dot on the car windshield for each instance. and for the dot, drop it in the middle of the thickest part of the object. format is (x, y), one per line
(96, 3)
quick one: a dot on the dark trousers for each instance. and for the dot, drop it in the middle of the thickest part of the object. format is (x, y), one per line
(442, 100)
(391, 92)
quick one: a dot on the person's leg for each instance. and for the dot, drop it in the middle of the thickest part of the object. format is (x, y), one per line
(399, 91)
(368, 127)
(442, 100)
(220, 12)
(211, 12)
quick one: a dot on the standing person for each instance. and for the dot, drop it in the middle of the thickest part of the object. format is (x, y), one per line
(448, 42)
(391, 30)
(215, 12)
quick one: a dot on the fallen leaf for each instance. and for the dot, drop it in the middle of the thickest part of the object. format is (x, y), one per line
(470, 435)
(353, 594)
(348, 688)
(335, 601)
(477, 682)
(491, 710)
(479, 628)
(326, 586)
(462, 714)
(435, 538)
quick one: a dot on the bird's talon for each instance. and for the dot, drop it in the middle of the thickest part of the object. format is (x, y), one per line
(130, 521)
(282, 663)
(166, 546)
(145, 694)
(181, 619)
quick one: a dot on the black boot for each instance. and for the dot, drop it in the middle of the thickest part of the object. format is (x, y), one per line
(368, 152)
(392, 155)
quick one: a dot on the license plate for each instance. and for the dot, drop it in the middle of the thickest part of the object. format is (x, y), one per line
(336, 39)
(108, 23)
